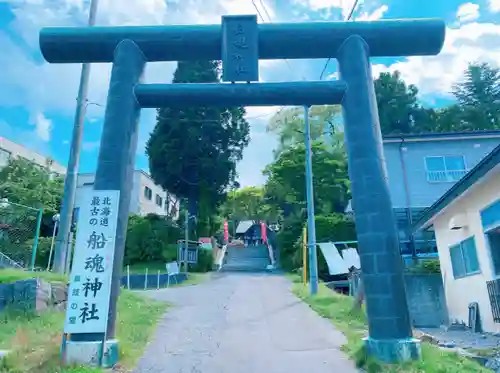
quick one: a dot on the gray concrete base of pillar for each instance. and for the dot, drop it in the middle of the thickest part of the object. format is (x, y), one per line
(88, 353)
(393, 350)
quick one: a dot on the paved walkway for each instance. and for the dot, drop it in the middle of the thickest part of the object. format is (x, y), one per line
(244, 323)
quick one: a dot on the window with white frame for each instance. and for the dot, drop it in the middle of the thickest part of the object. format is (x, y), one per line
(443, 169)
(464, 261)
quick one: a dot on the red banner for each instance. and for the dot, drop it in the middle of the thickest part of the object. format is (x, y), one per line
(263, 231)
(226, 232)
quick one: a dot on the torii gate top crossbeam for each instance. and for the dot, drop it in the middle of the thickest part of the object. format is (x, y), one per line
(386, 38)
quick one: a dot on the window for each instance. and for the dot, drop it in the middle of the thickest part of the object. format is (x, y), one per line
(445, 168)
(159, 200)
(4, 157)
(494, 241)
(148, 193)
(464, 258)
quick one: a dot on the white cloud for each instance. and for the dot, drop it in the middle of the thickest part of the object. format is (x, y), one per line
(43, 126)
(494, 6)
(468, 12)
(435, 75)
(333, 76)
(323, 4)
(53, 87)
(28, 139)
(316, 5)
(373, 16)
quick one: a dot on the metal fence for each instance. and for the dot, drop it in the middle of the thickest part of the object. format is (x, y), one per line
(494, 295)
(19, 233)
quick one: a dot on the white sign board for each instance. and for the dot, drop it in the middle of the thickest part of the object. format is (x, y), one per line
(172, 268)
(91, 273)
(351, 258)
(336, 264)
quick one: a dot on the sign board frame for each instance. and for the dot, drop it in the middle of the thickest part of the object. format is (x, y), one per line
(91, 274)
(240, 48)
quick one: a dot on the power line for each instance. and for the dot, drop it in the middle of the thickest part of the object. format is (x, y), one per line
(347, 19)
(270, 21)
(264, 7)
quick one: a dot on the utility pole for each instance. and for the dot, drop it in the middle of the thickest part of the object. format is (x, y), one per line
(311, 227)
(68, 202)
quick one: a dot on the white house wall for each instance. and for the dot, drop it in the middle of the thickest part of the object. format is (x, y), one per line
(9, 149)
(150, 206)
(463, 291)
(135, 206)
(139, 204)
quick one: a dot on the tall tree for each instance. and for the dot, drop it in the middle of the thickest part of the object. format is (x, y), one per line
(478, 95)
(288, 124)
(193, 151)
(398, 108)
(286, 179)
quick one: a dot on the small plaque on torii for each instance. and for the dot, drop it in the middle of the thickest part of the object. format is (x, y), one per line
(240, 49)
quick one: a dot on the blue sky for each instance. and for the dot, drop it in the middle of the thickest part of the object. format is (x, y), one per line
(37, 100)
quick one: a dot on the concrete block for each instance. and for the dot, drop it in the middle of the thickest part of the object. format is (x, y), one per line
(393, 350)
(88, 352)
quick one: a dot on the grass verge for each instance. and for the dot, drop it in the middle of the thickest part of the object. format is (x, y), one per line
(34, 341)
(11, 275)
(338, 309)
(140, 268)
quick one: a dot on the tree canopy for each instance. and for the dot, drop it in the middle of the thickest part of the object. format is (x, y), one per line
(285, 186)
(193, 151)
(249, 203)
(397, 103)
(288, 125)
(476, 106)
(478, 96)
(25, 183)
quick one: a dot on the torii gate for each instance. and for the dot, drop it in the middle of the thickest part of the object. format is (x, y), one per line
(240, 42)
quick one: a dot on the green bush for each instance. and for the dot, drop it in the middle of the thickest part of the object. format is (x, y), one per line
(22, 252)
(43, 251)
(205, 261)
(154, 239)
(426, 266)
(150, 238)
(286, 240)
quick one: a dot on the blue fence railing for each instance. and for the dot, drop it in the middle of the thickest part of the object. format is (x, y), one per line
(152, 281)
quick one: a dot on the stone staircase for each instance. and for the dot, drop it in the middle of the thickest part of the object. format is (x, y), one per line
(246, 259)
